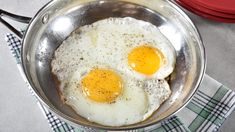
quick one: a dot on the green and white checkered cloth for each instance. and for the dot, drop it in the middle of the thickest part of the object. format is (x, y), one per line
(206, 112)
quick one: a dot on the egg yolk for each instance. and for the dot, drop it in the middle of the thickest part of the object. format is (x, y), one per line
(102, 85)
(145, 59)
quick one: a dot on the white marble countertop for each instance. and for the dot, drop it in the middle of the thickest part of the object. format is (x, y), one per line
(18, 109)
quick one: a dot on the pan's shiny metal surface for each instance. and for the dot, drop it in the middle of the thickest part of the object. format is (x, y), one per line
(55, 21)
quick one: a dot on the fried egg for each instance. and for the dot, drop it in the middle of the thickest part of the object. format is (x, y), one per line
(109, 98)
(105, 97)
(112, 71)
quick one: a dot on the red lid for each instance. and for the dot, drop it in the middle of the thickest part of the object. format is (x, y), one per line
(206, 15)
(227, 6)
(198, 7)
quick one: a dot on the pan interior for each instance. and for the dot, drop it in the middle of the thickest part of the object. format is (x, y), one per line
(55, 22)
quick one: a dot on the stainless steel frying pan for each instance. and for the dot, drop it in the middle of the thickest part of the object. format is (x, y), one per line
(57, 19)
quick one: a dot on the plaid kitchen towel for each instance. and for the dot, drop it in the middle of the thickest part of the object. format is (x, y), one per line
(206, 112)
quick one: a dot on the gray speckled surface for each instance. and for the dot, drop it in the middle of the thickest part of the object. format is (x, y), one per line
(19, 111)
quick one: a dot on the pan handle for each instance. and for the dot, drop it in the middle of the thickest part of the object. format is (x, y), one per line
(18, 18)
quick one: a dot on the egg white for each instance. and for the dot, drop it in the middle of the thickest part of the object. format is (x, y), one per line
(106, 44)
(138, 101)
(109, 41)
(157, 90)
(129, 107)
